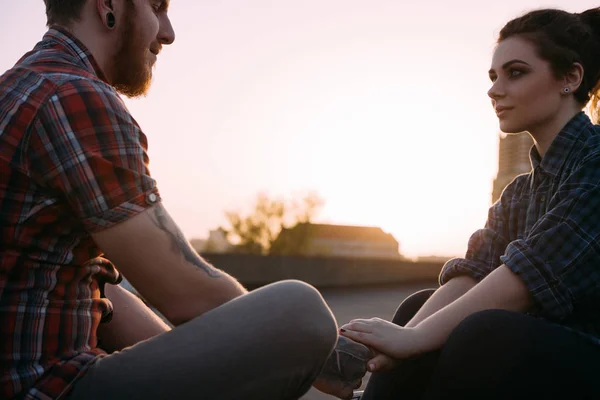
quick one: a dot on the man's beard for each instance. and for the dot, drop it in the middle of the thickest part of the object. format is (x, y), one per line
(131, 74)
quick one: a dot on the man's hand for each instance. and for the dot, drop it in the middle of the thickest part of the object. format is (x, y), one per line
(381, 362)
(337, 388)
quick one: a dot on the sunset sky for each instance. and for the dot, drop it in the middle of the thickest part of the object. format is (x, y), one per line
(380, 106)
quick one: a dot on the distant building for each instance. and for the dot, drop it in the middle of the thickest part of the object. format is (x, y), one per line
(217, 242)
(336, 241)
(513, 160)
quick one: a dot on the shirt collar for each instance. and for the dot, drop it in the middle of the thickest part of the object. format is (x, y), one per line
(76, 48)
(561, 146)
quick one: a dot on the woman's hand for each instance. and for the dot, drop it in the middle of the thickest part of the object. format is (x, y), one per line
(384, 337)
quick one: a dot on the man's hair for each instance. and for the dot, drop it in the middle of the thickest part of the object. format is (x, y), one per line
(63, 12)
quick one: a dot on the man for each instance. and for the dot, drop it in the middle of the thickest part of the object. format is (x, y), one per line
(74, 185)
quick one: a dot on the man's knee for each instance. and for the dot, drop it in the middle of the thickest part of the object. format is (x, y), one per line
(304, 312)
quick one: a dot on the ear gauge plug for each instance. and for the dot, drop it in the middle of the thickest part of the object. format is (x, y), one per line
(110, 20)
(566, 90)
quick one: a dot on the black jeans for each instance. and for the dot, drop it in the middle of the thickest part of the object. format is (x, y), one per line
(494, 354)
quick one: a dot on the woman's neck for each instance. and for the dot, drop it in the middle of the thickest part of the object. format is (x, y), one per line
(545, 133)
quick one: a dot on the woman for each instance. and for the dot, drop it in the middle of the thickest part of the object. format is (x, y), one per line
(519, 316)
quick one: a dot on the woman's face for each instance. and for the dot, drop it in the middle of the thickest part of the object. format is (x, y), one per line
(525, 93)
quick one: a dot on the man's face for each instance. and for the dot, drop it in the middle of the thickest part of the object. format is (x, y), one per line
(143, 31)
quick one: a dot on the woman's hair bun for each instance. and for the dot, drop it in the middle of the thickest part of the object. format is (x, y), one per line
(591, 18)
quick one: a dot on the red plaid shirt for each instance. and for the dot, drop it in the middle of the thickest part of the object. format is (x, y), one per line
(72, 162)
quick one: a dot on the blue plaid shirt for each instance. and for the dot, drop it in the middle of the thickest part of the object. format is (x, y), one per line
(546, 229)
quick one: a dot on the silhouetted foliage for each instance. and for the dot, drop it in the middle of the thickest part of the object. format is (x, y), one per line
(257, 232)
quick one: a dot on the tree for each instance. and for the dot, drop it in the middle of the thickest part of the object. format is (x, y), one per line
(292, 241)
(256, 232)
(306, 209)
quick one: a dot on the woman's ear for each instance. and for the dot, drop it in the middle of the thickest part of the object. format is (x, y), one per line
(574, 77)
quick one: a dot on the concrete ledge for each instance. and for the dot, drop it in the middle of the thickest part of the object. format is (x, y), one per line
(255, 270)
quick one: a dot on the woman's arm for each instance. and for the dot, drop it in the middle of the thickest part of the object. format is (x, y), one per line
(554, 267)
(501, 289)
(445, 295)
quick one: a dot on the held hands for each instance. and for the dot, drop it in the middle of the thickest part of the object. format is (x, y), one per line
(389, 341)
(373, 344)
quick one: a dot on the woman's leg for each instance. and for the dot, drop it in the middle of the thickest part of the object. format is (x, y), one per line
(499, 354)
(409, 379)
(269, 344)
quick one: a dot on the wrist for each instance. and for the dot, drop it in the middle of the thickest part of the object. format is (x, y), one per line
(421, 341)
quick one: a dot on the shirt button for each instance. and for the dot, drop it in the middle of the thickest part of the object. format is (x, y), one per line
(152, 198)
(543, 199)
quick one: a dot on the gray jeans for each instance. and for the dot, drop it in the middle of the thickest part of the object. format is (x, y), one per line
(269, 344)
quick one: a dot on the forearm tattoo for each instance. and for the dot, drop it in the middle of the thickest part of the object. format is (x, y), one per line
(180, 244)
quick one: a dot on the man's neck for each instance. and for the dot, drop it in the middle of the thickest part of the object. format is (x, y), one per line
(94, 44)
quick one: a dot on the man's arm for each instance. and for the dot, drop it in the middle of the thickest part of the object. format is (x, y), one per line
(151, 251)
(96, 157)
(132, 321)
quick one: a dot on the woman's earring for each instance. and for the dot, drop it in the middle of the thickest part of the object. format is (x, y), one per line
(110, 20)
(566, 90)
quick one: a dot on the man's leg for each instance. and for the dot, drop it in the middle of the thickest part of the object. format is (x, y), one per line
(499, 354)
(409, 379)
(268, 344)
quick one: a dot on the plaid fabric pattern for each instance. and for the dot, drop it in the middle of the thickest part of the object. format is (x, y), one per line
(72, 162)
(546, 229)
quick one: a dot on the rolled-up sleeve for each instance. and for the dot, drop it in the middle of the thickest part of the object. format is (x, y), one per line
(485, 245)
(85, 146)
(559, 260)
